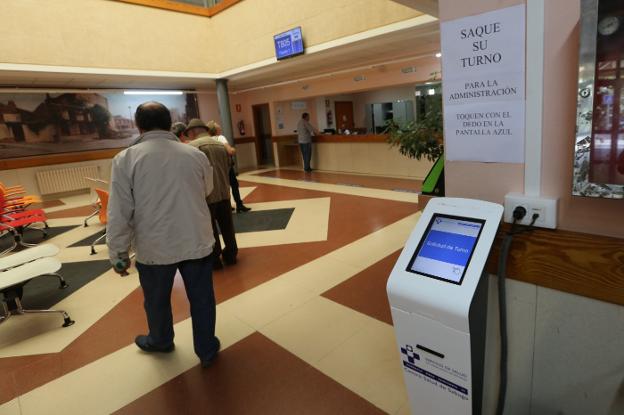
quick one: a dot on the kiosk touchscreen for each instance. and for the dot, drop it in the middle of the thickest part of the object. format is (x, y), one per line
(438, 300)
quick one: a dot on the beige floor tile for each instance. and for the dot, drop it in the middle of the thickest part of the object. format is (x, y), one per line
(406, 409)
(75, 235)
(82, 254)
(67, 222)
(315, 329)
(79, 200)
(36, 334)
(367, 250)
(368, 364)
(263, 304)
(10, 408)
(321, 274)
(94, 386)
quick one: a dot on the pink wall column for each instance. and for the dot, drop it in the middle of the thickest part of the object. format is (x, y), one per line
(493, 180)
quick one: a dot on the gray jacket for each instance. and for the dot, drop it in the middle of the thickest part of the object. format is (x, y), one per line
(157, 201)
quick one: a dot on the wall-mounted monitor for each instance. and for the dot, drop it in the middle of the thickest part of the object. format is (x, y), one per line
(288, 44)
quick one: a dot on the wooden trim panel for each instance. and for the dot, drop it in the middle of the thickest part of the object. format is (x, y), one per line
(62, 158)
(577, 263)
(292, 138)
(184, 8)
(336, 138)
(360, 138)
(243, 140)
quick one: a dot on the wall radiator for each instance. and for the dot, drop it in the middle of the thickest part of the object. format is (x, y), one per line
(66, 180)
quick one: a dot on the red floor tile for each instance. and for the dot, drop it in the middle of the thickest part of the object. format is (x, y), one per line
(366, 291)
(254, 376)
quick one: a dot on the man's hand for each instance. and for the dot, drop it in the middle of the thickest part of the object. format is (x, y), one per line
(121, 264)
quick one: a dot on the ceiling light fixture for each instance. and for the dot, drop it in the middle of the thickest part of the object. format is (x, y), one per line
(154, 92)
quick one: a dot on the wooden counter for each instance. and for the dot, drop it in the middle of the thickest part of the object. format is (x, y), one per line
(336, 138)
(359, 153)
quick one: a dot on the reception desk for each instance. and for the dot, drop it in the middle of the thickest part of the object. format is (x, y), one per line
(362, 154)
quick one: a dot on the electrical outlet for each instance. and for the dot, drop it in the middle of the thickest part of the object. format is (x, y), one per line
(544, 207)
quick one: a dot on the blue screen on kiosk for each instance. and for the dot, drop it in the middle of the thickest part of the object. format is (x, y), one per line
(446, 249)
(288, 44)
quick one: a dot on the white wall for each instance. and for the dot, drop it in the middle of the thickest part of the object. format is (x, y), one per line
(365, 99)
(208, 107)
(27, 177)
(566, 353)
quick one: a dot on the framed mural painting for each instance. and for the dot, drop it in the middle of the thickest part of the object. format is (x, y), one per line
(39, 124)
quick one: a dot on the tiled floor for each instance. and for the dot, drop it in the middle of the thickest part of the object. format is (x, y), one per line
(371, 182)
(303, 316)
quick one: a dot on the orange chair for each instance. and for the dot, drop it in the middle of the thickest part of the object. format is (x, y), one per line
(97, 205)
(14, 222)
(14, 199)
(11, 189)
(103, 197)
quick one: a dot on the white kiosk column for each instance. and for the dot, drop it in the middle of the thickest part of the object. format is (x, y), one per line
(438, 298)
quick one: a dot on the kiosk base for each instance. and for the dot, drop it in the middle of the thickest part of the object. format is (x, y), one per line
(439, 361)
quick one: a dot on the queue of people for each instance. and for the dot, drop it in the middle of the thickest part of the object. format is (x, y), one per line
(167, 201)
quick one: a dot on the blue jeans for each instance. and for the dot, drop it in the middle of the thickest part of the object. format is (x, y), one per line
(306, 153)
(157, 282)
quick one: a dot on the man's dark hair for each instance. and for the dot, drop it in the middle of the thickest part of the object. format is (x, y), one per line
(152, 115)
(305, 115)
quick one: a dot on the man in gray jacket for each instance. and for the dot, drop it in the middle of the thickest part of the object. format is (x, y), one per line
(158, 203)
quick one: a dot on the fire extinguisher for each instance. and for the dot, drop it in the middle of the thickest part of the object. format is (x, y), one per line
(241, 127)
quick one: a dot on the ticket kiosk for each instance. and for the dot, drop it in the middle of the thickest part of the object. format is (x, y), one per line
(438, 297)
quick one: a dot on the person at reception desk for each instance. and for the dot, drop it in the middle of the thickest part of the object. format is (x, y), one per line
(305, 131)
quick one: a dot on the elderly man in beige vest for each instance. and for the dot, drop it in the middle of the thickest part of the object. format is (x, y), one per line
(219, 199)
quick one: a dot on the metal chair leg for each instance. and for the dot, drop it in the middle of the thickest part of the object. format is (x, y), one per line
(62, 283)
(67, 320)
(93, 252)
(97, 211)
(7, 313)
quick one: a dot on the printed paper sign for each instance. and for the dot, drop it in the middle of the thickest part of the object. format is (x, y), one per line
(483, 67)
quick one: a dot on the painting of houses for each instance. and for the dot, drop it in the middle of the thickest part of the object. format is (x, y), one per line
(39, 124)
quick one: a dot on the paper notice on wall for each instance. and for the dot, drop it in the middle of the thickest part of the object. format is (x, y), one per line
(483, 67)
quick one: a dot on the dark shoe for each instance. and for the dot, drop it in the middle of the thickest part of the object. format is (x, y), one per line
(143, 343)
(229, 261)
(242, 209)
(207, 361)
(217, 264)
(233, 208)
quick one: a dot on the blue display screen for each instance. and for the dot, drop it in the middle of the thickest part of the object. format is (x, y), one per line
(445, 251)
(288, 44)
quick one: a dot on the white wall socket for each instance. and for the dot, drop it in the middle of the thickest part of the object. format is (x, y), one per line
(544, 207)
